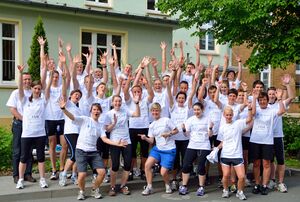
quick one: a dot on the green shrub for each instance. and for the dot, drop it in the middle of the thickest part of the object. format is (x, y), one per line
(5, 149)
(291, 130)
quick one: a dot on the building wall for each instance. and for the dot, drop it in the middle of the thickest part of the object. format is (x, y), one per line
(276, 74)
(140, 38)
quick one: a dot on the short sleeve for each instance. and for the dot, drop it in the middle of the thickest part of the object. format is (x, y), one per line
(150, 132)
(79, 120)
(171, 124)
(187, 125)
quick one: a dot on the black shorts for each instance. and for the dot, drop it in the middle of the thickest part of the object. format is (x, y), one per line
(54, 127)
(232, 161)
(278, 150)
(245, 143)
(103, 148)
(260, 151)
(135, 138)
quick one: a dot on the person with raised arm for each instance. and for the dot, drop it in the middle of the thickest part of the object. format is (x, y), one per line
(86, 152)
(274, 100)
(33, 129)
(230, 135)
(262, 140)
(117, 124)
(161, 130)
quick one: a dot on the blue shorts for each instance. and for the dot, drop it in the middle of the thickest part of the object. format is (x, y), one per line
(232, 161)
(166, 158)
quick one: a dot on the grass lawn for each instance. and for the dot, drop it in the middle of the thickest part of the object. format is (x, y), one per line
(292, 162)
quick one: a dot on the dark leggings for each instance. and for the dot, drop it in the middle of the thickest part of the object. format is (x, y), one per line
(26, 146)
(181, 146)
(72, 141)
(115, 157)
(135, 138)
(190, 156)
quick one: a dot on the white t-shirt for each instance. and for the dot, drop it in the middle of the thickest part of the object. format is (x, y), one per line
(143, 120)
(162, 99)
(231, 136)
(14, 100)
(70, 127)
(198, 128)
(213, 111)
(53, 111)
(90, 131)
(120, 131)
(244, 115)
(85, 102)
(236, 82)
(188, 79)
(33, 117)
(262, 132)
(158, 127)
(105, 105)
(80, 79)
(178, 116)
(278, 128)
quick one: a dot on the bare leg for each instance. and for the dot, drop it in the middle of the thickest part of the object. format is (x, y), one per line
(52, 152)
(113, 178)
(124, 179)
(226, 175)
(22, 168)
(164, 173)
(100, 177)
(240, 172)
(81, 180)
(256, 171)
(41, 166)
(148, 169)
(280, 169)
(266, 171)
(63, 152)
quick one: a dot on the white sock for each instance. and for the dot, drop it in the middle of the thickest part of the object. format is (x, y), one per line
(149, 186)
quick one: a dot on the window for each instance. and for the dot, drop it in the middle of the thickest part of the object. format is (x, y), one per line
(100, 42)
(101, 3)
(8, 51)
(151, 5)
(207, 42)
(265, 76)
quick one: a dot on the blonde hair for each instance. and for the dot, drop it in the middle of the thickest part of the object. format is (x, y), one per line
(155, 106)
(228, 109)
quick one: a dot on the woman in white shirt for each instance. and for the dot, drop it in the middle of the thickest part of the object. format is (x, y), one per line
(230, 135)
(199, 129)
(86, 151)
(161, 129)
(33, 129)
(117, 124)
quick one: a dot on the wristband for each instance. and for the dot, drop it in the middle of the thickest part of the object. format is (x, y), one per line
(62, 108)
(184, 130)
(210, 128)
(137, 103)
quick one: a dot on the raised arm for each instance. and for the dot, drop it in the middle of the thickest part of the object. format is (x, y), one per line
(69, 55)
(169, 91)
(76, 61)
(115, 55)
(202, 89)
(103, 62)
(137, 112)
(163, 47)
(20, 83)
(60, 50)
(89, 57)
(286, 80)
(250, 115)
(43, 64)
(62, 105)
(148, 84)
(154, 64)
(113, 73)
(209, 60)
(213, 74)
(223, 75)
(197, 48)
(65, 70)
(48, 86)
(239, 74)
(281, 110)
(216, 100)
(192, 93)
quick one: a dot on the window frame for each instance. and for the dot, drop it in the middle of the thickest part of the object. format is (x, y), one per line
(109, 3)
(206, 50)
(17, 39)
(95, 46)
(267, 70)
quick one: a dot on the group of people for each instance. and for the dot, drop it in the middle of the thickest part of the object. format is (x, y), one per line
(185, 114)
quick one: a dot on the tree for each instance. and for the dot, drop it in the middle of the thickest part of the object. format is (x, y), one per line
(34, 60)
(270, 27)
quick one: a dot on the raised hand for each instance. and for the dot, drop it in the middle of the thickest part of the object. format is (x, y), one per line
(172, 52)
(197, 47)
(180, 44)
(41, 41)
(62, 102)
(62, 57)
(209, 58)
(154, 62)
(113, 45)
(91, 50)
(279, 93)
(146, 60)
(60, 42)
(68, 47)
(111, 61)
(77, 59)
(244, 86)
(103, 58)
(237, 58)
(163, 45)
(286, 79)
(21, 68)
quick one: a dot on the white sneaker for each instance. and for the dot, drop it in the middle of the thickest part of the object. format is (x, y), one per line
(147, 191)
(81, 195)
(20, 184)
(225, 194)
(74, 180)
(62, 180)
(94, 177)
(282, 188)
(241, 195)
(174, 185)
(96, 193)
(43, 183)
(168, 189)
(271, 185)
